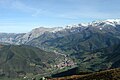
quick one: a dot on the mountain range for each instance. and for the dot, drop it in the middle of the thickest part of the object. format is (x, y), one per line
(85, 32)
(91, 46)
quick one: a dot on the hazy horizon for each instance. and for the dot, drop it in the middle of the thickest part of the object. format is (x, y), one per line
(21, 16)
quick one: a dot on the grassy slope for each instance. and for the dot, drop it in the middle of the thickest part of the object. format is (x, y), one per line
(24, 60)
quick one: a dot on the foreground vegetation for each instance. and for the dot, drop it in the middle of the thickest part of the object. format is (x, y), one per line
(112, 74)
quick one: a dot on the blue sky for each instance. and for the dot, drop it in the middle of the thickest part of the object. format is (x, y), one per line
(17, 16)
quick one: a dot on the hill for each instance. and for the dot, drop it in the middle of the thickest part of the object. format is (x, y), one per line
(21, 60)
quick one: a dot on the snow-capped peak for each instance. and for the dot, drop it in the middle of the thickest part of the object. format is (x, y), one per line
(113, 20)
(83, 24)
(56, 29)
(75, 26)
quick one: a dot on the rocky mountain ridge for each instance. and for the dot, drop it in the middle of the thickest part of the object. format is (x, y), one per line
(23, 38)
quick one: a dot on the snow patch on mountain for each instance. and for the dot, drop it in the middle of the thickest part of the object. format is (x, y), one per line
(113, 20)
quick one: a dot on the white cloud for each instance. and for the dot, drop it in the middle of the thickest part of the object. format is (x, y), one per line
(19, 5)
